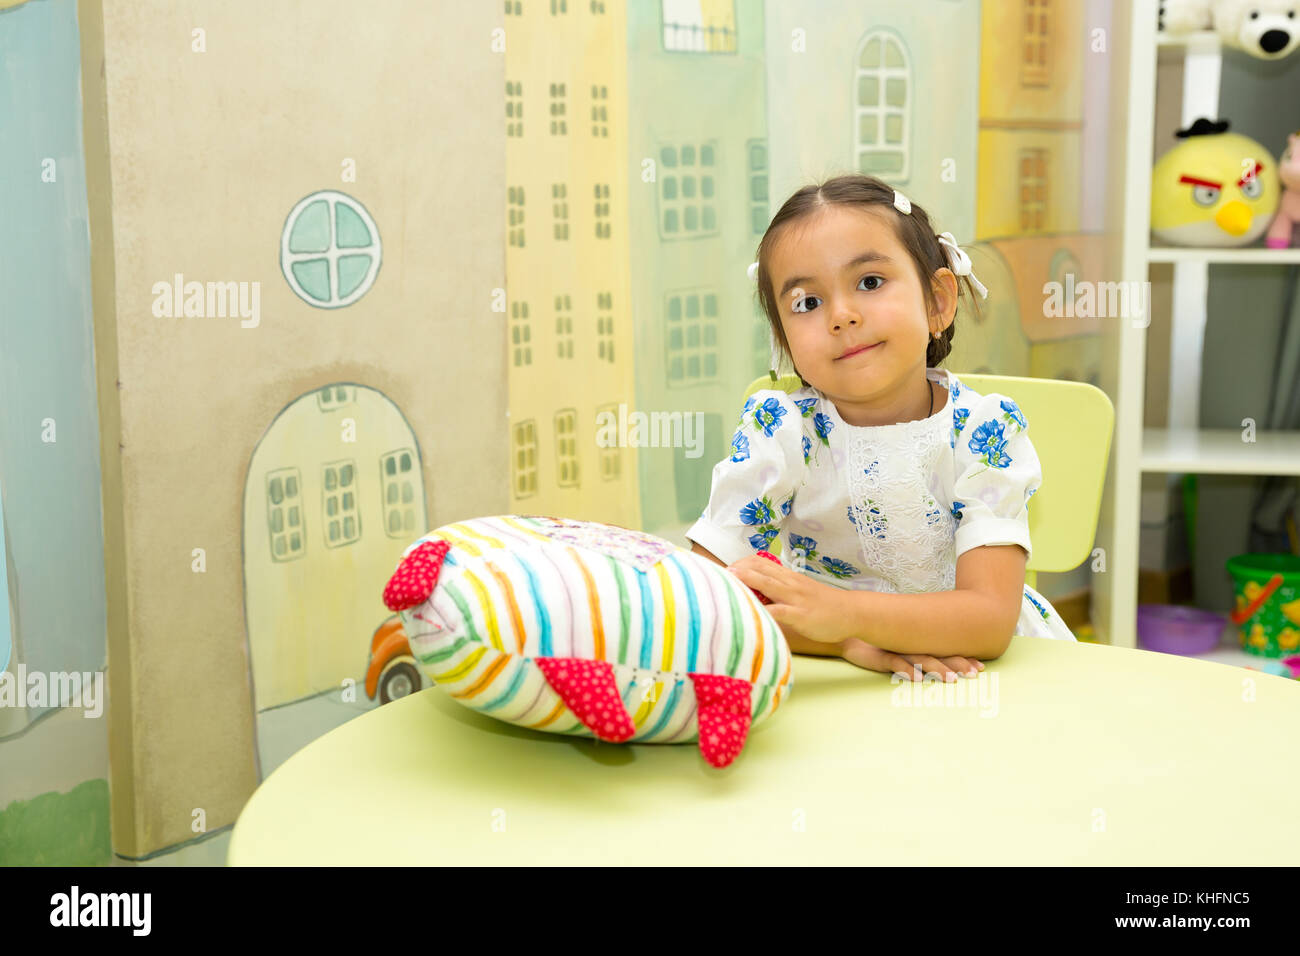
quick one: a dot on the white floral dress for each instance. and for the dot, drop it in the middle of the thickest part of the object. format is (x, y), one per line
(879, 508)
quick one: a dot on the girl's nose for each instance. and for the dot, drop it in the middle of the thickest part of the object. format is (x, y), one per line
(845, 317)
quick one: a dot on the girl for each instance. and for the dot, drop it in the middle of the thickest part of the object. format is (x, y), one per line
(900, 494)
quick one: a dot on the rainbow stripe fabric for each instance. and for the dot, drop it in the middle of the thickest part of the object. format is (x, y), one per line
(514, 588)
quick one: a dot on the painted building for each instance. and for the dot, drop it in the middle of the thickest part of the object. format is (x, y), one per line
(571, 355)
(266, 466)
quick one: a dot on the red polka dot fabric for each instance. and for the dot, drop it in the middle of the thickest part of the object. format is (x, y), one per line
(416, 577)
(723, 715)
(589, 690)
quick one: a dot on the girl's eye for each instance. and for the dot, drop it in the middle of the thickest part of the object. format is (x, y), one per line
(879, 280)
(801, 304)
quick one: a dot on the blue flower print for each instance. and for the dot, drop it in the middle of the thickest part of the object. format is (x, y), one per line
(763, 538)
(933, 515)
(1013, 413)
(871, 468)
(739, 446)
(749, 403)
(959, 416)
(956, 509)
(807, 545)
(988, 443)
(837, 568)
(758, 511)
(768, 416)
(954, 390)
(807, 447)
(823, 424)
(1041, 610)
(876, 522)
(1032, 492)
(806, 406)
(786, 506)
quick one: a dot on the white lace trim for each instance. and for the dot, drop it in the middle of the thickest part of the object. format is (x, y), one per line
(904, 525)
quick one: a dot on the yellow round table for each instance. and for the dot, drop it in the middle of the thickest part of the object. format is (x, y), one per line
(1058, 754)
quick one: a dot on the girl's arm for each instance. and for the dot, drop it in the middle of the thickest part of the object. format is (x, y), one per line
(976, 619)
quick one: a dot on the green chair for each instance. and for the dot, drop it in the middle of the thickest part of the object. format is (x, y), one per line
(1070, 424)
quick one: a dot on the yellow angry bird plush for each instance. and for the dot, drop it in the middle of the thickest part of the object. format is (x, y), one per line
(1215, 188)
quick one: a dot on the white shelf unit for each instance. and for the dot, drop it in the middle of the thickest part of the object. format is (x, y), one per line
(1183, 447)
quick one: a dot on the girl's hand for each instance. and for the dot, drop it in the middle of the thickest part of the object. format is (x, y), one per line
(912, 666)
(809, 609)
(799, 604)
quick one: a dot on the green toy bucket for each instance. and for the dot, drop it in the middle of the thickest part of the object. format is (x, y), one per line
(1267, 612)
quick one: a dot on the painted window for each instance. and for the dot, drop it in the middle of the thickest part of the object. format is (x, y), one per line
(611, 462)
(566, 447)
(514, 108)
(687, 200)
(330, 250)
(521, 337)
(515, 215)
(559, 127)
(560, 210)
(699, 26)
(605, 326)
(1036, 27)
(692, 343)
(563, 327)
(284, 514)
(397, 476)
(525, 458)
(339, 498)
(602, 210)
(599, 112)
(883, 81)
(332, 397)
(1032, 166)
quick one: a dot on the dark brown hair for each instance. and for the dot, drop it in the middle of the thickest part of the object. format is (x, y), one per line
(914, 232)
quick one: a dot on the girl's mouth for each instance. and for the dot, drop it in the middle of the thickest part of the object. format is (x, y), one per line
(857, 351)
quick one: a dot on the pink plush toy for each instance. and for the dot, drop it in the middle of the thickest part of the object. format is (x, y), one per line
(1282, 233)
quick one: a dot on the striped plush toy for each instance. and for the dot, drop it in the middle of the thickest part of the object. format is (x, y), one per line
(576, 627)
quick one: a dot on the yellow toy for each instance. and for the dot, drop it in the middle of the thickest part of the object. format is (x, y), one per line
(1213, 189)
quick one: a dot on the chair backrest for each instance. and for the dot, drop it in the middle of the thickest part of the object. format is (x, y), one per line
(1070, 424)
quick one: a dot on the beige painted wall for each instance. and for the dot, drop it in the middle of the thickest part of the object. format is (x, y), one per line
(193, 169)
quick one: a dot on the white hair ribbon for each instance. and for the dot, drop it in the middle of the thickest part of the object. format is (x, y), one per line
(902, 203)
(959, 262)
(753, 271)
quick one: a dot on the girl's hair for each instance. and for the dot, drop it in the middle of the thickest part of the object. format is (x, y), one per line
(913, 231)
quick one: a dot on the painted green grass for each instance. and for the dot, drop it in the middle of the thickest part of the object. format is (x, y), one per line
(58, 829)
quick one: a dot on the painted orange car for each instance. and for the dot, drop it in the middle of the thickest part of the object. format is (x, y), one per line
(392, 671)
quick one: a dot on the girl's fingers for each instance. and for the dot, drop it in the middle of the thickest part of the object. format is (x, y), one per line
(931, 665)
(760, 579)
(961, 665)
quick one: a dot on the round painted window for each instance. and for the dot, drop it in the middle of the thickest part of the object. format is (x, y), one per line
(330, 250)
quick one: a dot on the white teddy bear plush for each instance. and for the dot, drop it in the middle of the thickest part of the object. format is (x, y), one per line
(1268, 29)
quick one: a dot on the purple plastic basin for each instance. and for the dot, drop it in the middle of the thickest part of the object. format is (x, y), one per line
(1173, 629)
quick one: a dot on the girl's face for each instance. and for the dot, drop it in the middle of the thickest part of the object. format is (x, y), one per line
(854, 314)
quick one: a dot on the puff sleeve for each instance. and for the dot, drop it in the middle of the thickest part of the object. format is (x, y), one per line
(997, 472)
(753, 488)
